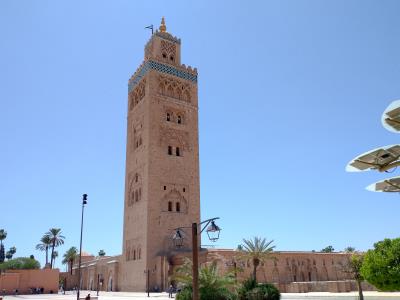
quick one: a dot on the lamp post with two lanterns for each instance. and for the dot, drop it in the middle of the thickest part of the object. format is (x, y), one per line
(213, 232)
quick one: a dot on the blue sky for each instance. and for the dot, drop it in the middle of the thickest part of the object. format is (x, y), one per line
(289, 92)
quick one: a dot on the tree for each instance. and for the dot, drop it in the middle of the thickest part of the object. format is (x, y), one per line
(53, 258)
(349, 249)
(69, 257)
(56, 239)
(381, 265)
(328, 249)
(353, 267)
(211, 284)
(20, 263)
(256, 250)
(2, 254)
(45, 243)
(8, 255)
(102, 252)
(3, 235)
(250, 290)
(11, 252)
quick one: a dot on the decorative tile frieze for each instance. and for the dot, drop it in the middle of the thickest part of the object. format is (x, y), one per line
(163, 68)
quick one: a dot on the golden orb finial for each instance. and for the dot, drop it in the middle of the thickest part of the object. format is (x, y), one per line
(163, 28)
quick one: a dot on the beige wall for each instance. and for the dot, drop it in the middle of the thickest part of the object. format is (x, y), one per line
(104, 268)
(23, 280)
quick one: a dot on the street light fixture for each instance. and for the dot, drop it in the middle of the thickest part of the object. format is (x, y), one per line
(84, 202)
(213, 232)
(177, 238)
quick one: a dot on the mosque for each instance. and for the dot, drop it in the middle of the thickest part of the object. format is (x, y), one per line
(162, 191)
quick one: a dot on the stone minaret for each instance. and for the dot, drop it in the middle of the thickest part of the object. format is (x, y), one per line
(162, 162)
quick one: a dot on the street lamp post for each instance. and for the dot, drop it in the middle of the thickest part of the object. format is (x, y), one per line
(213, 234)
(147, 273)
(84, 201)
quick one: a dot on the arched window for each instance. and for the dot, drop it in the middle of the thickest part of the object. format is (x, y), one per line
(171, 58)
(168, 117)
(169, 206)
(178, 206)
(178, 153)
(134, 254)
(136, 177)
(139, 253)
(169, 150)
(136, 196)
(179, 119)
(140, 193)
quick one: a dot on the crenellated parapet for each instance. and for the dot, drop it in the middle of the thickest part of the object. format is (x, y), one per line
(168, 36)
(182, 71)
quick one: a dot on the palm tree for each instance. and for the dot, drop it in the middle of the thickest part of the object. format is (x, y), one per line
(256, 250)
(9, 255)
(328, 249)
(349, 249)
(102, 252)
(211, 284)
(3, 235)
(56, 240)
(55, 255)
(69, 257)
(44, 246)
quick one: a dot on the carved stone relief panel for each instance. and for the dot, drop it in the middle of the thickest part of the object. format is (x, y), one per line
(174, 201)
(174, 88)
(137, 94)
(174, 137)
(136, 133)
(133, 250)
(174, 115)
(168, 51)
(134, 188)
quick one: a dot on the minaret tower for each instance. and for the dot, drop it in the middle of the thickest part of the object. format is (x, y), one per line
(162, 162)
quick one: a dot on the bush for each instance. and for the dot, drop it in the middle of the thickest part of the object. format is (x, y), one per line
(265, 291)
(381, 266)
(20, 263)
(250, 290)
(185, 293)
(212, 286)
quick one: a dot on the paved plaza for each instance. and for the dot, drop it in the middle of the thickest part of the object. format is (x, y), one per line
(161, 296)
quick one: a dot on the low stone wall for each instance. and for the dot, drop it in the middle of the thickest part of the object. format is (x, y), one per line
(340, 286)
(24, 280)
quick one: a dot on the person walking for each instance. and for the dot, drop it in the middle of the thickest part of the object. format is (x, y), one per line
(170, 290)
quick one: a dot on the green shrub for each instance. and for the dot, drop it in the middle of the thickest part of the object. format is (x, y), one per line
(381, 265)
(20, 263)
(212, 286)
(185, 293)
(250, 290)
(245, 287)
(268, 292)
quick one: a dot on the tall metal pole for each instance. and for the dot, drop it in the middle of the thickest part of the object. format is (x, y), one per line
(84, 199)
(98, 284)
(148, 283)
(195, 258)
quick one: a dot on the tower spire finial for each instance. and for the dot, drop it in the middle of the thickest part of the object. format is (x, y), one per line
(163, 28)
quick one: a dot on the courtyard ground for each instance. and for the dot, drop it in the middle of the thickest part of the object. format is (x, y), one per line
(162, 296)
